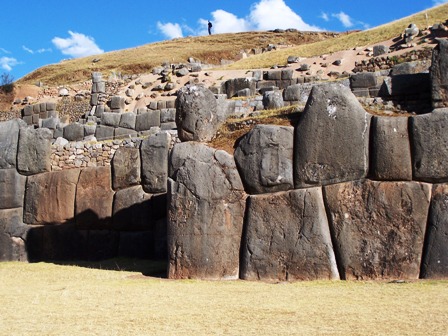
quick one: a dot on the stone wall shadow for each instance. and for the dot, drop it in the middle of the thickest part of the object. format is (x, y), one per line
(134, 239)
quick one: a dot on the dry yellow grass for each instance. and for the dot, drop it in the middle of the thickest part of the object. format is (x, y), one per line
(345, 42)
(208, 49)
(46, 299)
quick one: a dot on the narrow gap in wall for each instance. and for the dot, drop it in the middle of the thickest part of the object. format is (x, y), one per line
(336, 250)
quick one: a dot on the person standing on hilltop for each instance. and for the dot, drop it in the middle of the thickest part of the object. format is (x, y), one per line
(210, 28)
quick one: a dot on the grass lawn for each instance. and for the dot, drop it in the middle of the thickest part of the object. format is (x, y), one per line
(49, 299)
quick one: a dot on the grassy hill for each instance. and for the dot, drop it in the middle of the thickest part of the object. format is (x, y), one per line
(343, 42)
(208, 49)
(211, 49)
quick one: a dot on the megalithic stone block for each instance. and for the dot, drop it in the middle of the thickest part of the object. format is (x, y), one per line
(206, 203)
(378, 228)
(331, 138)
(287, 237)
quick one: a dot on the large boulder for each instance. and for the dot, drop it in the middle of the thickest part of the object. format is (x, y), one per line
(429, 145)
(12, 189)
(206, 203)
(9, 139)
(232, 86)
(273, 100)
(94, 198)
(435, 259)
(391, 151)
(264, 158)
(125, 167)
(146, 120)
(117, 103)
(297, 93)
(332, 138)
(154, 155)
(110, 119)
(378, 228)
(13, 235)
(34, 151)
(132, 210)
(439, 74)
(104, 132)
(74, 132)
(50, 197)
(287, 237)
(196, 114)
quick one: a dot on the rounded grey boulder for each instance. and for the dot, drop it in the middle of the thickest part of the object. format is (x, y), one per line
(196, 114)
(264, 158)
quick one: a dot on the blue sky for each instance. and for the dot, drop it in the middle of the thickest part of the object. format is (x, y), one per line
(35, 33)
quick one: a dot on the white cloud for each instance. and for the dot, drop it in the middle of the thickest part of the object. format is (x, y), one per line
(28, 49)
(324, 16)
(345, 19)
(7, 63)
(4, 51)
(271, 14)
(264, 15)
(224, 22)
(170, 30)
(77, 45)
(39, 51)
(43, 50)
(439, 2)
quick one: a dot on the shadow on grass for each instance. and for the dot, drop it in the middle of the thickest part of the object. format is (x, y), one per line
(152, 268)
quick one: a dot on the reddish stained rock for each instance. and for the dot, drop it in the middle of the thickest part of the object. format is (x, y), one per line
(94, 198)
(378, 228)
(50, 197)
(288, 238)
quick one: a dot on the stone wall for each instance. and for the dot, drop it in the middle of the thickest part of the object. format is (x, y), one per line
(81, 213)
(342, 195)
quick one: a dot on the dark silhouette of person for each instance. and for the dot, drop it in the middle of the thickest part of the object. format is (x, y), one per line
(210, 28)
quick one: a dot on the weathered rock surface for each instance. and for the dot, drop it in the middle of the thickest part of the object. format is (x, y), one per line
(297, 93)
(132, 209)
(145, 121)
(264, 158)
(12, 189)
(435, 259)
(110, 119)
(34, 151)
(94, 198)
(9, 139)
(206, 203)
(232, 86)
(287, 237)
(154, 155)
(74, 132)
(50, 197)
(196, 114)
(273, 100)
(125, 168)
(439, 74)
(430, 146)
(378, 228)
(13, 235)
(391, 151)
(104, 132)
(332, 138)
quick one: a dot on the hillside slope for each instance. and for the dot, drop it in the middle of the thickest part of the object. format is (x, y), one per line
(378, 34)
(209, 49)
